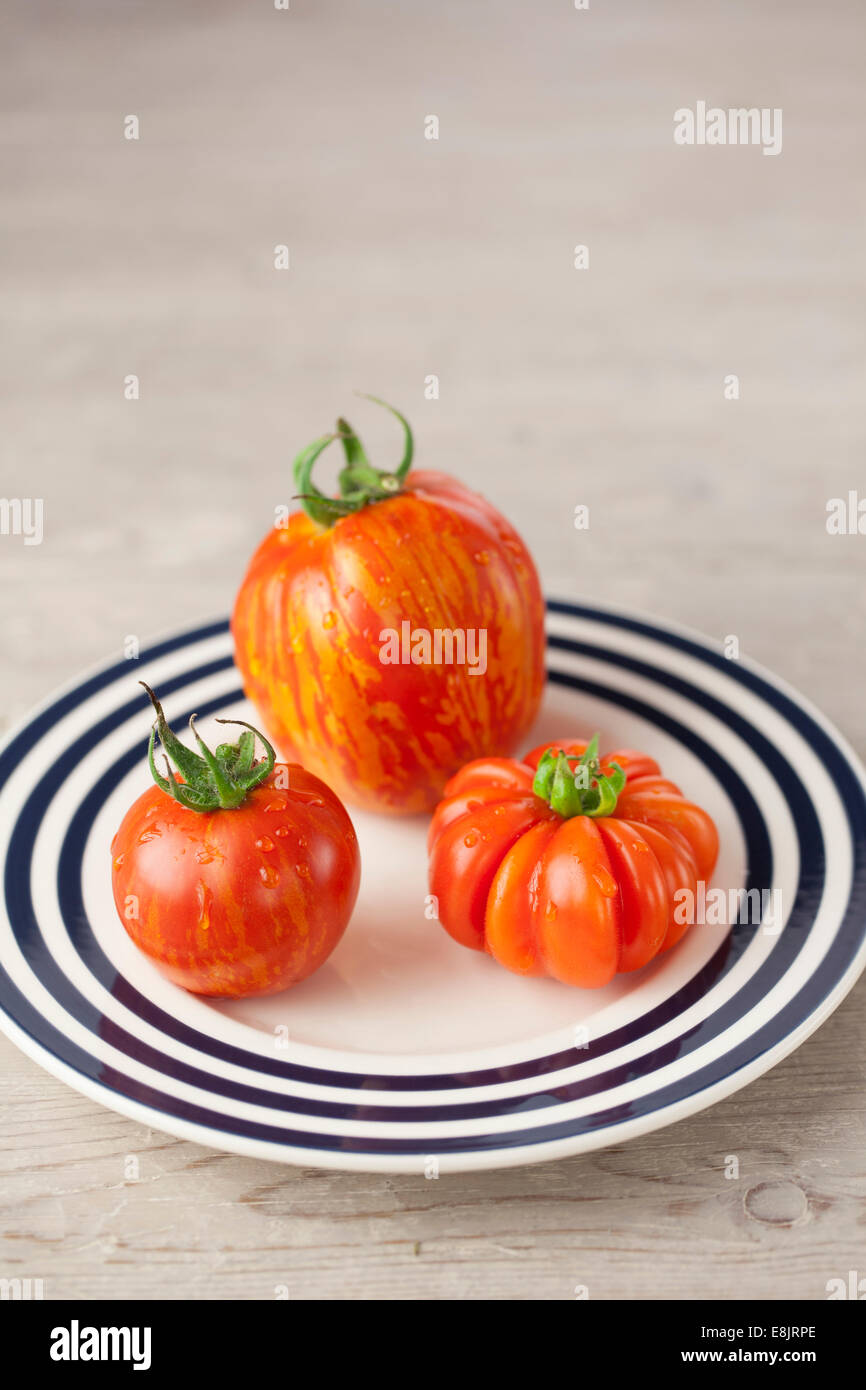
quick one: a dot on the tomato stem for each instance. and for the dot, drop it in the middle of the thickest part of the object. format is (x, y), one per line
(218, 781)
(359, 482)
(584, 790)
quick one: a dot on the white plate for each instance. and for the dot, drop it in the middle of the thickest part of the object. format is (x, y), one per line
(405, 1052)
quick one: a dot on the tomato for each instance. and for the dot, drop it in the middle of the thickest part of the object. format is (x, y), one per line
(240, 898)
(337, 622)
(568, 863)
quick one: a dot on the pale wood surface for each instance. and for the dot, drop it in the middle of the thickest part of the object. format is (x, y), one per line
(558, 387)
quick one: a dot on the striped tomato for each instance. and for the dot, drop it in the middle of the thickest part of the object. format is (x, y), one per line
(567, 864)
(390, 634)
(234, 877)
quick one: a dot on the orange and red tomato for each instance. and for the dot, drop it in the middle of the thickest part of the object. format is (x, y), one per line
(520, 871)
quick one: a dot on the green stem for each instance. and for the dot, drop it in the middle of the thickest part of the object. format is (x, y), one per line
(359, 482)
(583, 790)
(219, 781)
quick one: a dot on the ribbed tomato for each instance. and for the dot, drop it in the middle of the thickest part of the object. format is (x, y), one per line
(567, 863)
(388, 635)
(236, 878)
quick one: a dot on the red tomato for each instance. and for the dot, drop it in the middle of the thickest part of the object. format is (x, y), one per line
(336, 624)
(555, 878)
(239, 901)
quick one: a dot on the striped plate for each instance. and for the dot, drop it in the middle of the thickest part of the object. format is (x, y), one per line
(405, 1052)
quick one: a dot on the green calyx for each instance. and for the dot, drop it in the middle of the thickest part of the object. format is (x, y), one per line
(218, 781)
(359, 482)
(582, 790)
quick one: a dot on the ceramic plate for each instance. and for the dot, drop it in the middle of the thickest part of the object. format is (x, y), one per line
(405, 1052)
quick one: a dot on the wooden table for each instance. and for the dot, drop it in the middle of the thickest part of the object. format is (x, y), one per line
(454, 258)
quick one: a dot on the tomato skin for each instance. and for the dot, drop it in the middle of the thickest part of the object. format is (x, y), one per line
(643, 895)
(678, 865)
(308, 627)
(577, 918)
(241, 902)
(508, 923)
(465, 857)
(579, 899)
(673, 813)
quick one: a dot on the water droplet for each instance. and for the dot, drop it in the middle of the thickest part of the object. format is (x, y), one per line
(282, 831)
(605, 882)
(298, 643)
(640, 847)
(204, 898)
(205, 855)
(309, 798)
(118, 863)
(482, 557)
(470, 839)
(154, 833)
(276, 805)
(265, 843)
(302, 870)
(330, 619)
(269, 877)
(550, 911)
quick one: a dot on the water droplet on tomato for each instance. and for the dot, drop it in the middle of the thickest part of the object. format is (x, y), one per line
(269, 877)
(265, 843)
(330, 619)
(205, 855)
(302, 870)
(118, 863)
(550, 911)
(204, 898)
(282, 831)
(481, 557)
(297, 643)
(470, 839)
(605, 882)
(640, 847)
(276, 805)
(154, 833)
